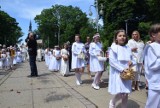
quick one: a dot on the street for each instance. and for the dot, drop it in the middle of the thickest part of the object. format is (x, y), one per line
(51, 90)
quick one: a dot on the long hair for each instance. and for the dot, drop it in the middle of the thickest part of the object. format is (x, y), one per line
(115, 36)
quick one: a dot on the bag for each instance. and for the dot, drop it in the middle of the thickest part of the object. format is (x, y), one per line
(129, 74)
(81, 56)
(58, 58)
(65, 58)
(102, 58)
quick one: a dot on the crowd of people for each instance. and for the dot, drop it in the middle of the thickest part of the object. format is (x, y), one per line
(12, 55)
(122, 55)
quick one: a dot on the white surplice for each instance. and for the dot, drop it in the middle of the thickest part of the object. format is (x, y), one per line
(77, 48)
(94, 50)
(152, 73)
(119, 56)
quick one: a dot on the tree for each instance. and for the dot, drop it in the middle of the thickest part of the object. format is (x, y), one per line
(10, 32)
(63, 22)
(119, 13)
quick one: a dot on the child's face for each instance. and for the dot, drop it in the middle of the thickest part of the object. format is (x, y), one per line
(121, 38)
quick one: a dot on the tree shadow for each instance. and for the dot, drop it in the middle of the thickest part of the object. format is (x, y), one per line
(3, 72)
(104, 83)
(87, 81)
(42, 76)
(56, 97)
(130, 104)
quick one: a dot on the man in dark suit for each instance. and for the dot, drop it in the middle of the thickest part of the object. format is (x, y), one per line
(32, 51)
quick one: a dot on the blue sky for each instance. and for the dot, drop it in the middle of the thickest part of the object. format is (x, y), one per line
(25, 10)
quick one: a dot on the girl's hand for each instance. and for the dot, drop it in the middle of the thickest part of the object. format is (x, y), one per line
(129, 63)
(134, 49)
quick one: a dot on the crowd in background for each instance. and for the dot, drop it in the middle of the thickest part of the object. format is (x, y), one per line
(123, 54)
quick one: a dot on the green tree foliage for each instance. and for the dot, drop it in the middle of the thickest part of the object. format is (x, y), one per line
(137, 14)
(154, 7)
(10, 32)
(65, 21)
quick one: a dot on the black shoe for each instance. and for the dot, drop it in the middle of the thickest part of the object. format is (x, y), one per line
(30, 76)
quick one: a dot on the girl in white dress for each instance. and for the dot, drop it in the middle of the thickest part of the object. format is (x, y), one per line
(57, 58)
(19, 56)
(64, 61)
(51, 58)
(50, 55)
(78, 62)
(46, 56)
(120, 58)
(96, 66)
(8, 59)
(3, 59)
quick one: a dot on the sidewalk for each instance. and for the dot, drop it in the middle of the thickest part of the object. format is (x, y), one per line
(51, 90)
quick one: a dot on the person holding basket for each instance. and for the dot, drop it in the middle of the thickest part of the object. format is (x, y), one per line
(121, 74)
(78, 58)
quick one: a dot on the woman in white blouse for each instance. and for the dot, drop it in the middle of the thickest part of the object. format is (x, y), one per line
(78, 61)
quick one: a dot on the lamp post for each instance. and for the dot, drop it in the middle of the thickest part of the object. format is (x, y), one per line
(57, 15)
(97, 13)
(126, 23)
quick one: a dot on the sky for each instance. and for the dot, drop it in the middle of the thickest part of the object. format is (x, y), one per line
(24, 11)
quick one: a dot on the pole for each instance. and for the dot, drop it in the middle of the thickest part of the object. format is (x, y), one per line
(126, 21)
(97, 16)
(58, 34)
(48, 41)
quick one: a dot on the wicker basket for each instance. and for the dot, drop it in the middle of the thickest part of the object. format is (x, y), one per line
(81, 56)
(129, 74)
(58, 58)
(65, 58)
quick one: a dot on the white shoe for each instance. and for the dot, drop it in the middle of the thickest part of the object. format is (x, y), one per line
(111, 105)
(95, 86)
(78, 83)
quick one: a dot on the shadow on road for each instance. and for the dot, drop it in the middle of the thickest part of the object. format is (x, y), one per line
(130, 104)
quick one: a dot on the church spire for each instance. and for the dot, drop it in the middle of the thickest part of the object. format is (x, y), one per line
(30, 27)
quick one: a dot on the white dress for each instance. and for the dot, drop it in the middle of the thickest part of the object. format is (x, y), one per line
(49, 58)
(94, 50)
(118, 60)
(2, 60)
(54, 64)
(64, 70)
(51, 64)
(8, 59)
(19, 57)
(46, 57)
(77, 48)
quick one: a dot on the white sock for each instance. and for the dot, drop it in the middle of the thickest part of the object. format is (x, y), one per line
(77, 76)
(124, 100)
(95, 78)
(116, 98)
